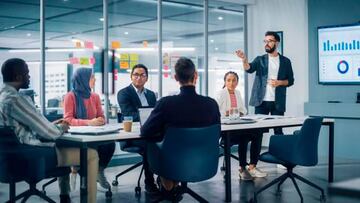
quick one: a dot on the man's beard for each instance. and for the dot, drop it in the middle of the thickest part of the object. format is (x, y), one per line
(271, 50)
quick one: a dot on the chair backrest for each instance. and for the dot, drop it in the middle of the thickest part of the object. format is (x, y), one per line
(18, 162)
(190, 154)
(306, 149)
(7, 137)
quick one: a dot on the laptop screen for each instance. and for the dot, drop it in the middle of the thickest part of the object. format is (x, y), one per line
(144, 114)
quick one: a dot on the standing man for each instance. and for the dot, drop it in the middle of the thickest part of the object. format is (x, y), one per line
(187, 109)
(273, 75)
(130, 99)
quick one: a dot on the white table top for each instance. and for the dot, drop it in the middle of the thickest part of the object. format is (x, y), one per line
(135, 134)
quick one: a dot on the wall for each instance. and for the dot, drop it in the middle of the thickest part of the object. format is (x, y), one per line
(289, 16)
(347, 139)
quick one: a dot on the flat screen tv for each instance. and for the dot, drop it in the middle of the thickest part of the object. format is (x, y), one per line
(339, 54)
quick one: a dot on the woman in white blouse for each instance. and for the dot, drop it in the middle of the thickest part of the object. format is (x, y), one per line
(230, 102)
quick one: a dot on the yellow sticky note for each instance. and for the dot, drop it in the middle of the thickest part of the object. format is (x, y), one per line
(124, 57)
(134, 57)
(84, 61)
(133, 63)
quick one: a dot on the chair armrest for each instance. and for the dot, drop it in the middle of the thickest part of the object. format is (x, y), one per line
(281, 146)
(297, 132)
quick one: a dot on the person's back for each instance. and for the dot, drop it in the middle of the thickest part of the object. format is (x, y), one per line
(188, 109)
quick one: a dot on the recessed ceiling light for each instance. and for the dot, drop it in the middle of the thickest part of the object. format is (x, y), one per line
(126, 33)
(216, 48)
(212, 41)
(101, 19)
(12, 27)
(220, 18)
(28, 34)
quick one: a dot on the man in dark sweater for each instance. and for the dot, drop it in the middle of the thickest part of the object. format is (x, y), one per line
(187, 109)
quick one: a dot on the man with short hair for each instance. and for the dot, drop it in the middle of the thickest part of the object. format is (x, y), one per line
(34, 130)
(134, 96)
(187, 109)
(130, 99)
(273, 75)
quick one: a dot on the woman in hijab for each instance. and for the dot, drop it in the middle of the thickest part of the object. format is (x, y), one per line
(83, 108)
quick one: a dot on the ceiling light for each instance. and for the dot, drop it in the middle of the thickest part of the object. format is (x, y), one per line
(48, 50)
(220, 18)
(101, 19)
(151, 49)
(212, 41)
(28, 34)
(126, 33)
(216, 48)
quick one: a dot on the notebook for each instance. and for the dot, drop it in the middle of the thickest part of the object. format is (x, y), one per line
(144, 113)
(95, 130)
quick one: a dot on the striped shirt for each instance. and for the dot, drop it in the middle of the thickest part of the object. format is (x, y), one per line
(233, 100)
(19, 112)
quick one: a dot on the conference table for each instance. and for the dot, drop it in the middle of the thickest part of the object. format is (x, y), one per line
(87, 141)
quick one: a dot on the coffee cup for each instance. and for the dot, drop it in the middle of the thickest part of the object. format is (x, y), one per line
(127, 122)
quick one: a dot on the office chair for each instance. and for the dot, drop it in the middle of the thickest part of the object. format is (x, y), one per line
(130, 147)
(14, 158)
(186, 155)
(301, 149)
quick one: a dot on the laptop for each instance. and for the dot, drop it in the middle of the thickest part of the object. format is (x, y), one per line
(228, 121)
(144, 113)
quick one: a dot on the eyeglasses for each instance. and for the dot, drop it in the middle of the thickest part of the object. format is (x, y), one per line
(135, 75)
(269, 41)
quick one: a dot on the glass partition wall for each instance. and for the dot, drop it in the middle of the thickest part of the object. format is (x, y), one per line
(74, 37)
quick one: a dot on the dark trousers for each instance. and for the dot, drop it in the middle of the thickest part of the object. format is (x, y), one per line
(253, 136)
(268, 107)
(149, 175)
(105, 152)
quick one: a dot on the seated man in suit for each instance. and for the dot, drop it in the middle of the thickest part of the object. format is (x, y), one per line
(130, 99)
(187, 109)
(33, 129)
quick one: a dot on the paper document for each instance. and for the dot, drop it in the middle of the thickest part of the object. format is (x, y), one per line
(264, 117)
(95, 130)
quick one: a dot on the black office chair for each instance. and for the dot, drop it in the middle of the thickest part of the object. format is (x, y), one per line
(186, 155)
(129, 146)
(14, 159)
(301, 149)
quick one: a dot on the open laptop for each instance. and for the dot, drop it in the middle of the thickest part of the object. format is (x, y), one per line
(144, 113)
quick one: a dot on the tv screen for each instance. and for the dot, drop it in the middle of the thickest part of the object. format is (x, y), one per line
(339, 54)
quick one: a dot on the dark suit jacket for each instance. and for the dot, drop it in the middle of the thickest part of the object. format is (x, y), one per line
(188, 109)
(129, 101)
(260, 65)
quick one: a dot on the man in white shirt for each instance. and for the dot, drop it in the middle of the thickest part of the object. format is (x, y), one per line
(273, 75)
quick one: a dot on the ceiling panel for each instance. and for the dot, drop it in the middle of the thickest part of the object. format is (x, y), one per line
(77, 4)
(28, 11)
(6, 23)
(52, 26)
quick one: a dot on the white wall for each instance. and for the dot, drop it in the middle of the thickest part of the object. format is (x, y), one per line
(291, 17)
